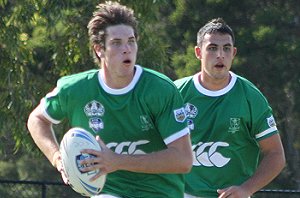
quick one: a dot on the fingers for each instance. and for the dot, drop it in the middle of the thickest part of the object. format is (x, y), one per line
(233, 192)
(99, 174)
(55, 158)
(91, 165)
(61, 169)
(64, 177)
(223, 193)
(92, 151)
(94, 163)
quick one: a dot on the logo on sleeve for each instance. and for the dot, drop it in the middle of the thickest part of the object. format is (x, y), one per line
(271, 121)
(179, 115)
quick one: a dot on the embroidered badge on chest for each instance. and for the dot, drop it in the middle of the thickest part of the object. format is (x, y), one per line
(234, 125)
(191, 112)
(146, 123)
(95, 110)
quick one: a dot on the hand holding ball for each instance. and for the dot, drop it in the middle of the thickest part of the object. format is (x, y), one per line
(75, 140)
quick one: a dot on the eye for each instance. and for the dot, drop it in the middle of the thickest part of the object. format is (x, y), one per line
(227, 49)
(116, 42)
(212, 48)
(131, 41)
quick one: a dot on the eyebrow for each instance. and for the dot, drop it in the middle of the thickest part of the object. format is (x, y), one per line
(119, 39)
(227, 44)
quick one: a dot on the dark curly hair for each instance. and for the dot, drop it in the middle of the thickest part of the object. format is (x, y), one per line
(213, 26)
(108, 14)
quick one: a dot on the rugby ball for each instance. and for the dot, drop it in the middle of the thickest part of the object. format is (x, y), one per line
(75, 140)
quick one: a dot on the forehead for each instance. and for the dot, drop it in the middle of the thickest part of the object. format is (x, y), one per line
(119, 32)
(217, 39)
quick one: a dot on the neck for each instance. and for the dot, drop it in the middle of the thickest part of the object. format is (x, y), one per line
(116, 81)
(213, 84)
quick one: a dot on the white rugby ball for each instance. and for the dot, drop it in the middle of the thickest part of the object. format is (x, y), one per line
(75, 140)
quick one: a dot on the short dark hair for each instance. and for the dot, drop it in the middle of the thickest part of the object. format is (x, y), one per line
(109, 14)
(215, 25)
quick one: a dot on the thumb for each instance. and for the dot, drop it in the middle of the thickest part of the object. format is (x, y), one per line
(101, 143)
(220, 191)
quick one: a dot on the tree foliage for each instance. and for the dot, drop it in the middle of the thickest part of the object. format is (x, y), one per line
(41, 41)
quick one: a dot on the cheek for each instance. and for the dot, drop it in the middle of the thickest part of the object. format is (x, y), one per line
(112, 53)
(209, 56)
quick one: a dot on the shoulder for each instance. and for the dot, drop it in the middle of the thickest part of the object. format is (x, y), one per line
(183, 82)
(77, 79)
(157, 79)
(250, 90)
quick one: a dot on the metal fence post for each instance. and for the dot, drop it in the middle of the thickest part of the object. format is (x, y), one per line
(44, 189)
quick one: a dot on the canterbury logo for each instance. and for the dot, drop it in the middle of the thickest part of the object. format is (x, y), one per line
(127, 147)
(205, 154)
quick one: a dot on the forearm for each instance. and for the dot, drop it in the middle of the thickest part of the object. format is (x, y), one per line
(42, 134)
(177, 158)
(270, 166)
(166, 161)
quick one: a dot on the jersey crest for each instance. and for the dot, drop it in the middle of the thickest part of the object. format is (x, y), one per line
(96, 124)
(146, 123)
(234, 125)
(95, 110)
(191, 112)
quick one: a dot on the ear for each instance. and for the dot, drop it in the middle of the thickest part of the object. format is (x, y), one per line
(198, 52)
(98, 51)
(234, 51)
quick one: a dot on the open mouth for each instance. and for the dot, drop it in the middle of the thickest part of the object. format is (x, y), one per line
(127, 61)
(219, 66)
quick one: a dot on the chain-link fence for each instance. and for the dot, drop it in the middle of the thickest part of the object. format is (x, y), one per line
(35, 189)
(277, 194)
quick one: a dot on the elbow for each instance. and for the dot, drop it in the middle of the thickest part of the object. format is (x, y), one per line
(187, 164)
(32, 121)
(283, 160)
(36, 121)
(29, 122)
(186, 169)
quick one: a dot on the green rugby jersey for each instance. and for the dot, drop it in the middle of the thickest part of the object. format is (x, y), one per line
(141, 118)
(226, 126)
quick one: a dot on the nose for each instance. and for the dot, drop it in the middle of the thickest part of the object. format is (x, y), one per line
(126, 49)
(220, 53)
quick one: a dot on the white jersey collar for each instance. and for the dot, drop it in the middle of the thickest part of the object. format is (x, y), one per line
(220, 92)
(124, 90)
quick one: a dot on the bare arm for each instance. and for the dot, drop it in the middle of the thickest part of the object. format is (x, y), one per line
(177, 158)
(43, 135)
(272, 163)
